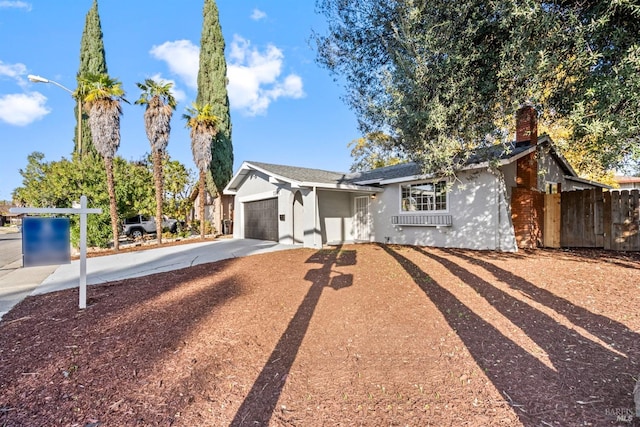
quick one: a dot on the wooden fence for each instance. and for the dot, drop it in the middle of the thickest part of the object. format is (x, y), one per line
(593, 219)
(622, 212)
(552, 217)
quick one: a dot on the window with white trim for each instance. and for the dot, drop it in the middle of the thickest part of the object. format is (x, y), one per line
(424, 197)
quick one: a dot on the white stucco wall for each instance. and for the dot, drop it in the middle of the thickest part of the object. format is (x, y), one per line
(549, 171)
(256, 186)
(300, 222)
(336, 216)
(255, 183)
(477, 203)
(297, 227)
(311, 223)
(509, 172)
(480, 216)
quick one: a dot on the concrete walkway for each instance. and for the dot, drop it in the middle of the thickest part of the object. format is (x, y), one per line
(21, 282)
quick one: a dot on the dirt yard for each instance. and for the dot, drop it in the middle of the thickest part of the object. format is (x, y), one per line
(367, 335)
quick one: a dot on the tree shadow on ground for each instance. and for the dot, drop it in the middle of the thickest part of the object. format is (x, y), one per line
(67, 348)
(259, 404)
(600, 326)
(620, 258)
(630, 260)
(582, 382)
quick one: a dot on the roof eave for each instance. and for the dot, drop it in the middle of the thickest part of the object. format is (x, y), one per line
(276, 176)
(480, 165)
(501, 162)
(472, 166)
(405, 179)
(559, 158)
(587, 181)
(343, 187)
(369, 181)
(245, 168)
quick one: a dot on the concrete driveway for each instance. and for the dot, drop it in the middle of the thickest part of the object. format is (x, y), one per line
(21, 282)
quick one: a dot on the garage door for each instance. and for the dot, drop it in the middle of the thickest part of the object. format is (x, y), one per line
(261, 220)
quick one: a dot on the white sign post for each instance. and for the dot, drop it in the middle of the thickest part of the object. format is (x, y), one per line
(82, 211)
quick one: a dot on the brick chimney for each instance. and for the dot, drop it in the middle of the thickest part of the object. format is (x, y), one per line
(527, 135)
(526, 126)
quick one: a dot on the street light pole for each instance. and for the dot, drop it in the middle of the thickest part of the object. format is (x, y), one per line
(39, 79)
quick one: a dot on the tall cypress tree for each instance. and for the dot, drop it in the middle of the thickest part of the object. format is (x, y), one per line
(92, 62)
(212, 89)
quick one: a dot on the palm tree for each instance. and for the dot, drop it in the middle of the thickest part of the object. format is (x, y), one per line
(101, 97)
(160, 104)
(204, 127)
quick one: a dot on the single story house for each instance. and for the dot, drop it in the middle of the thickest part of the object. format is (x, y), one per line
(627, 182)
(218, 211)
(7, 217)
(490, 205)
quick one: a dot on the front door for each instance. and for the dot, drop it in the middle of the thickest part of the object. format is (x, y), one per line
(362, 219)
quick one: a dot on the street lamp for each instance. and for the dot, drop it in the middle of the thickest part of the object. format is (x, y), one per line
(39, 79)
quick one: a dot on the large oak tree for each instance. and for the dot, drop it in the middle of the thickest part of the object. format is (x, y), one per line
(446, 77)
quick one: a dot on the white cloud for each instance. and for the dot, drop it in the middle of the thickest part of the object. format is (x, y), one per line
(254, 78)
(258, 14)
(15, 5)
(182, 57)
(22, 109)
(12, 70)
(291, 88)
(178, 94)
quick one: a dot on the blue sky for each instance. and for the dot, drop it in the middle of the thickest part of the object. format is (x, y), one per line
(284, 107)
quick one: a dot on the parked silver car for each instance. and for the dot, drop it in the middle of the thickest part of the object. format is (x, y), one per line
(139, 225)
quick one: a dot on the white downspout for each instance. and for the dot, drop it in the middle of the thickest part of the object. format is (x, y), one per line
(315, 214)
(500, 196)
(498, 191)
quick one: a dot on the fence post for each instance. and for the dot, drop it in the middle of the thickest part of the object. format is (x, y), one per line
(607, 220)
(634, 199)
(552, 214)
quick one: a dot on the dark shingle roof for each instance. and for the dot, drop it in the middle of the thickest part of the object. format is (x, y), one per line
(495, 152)
(389, 172)
(410, 169)
(296, 173)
